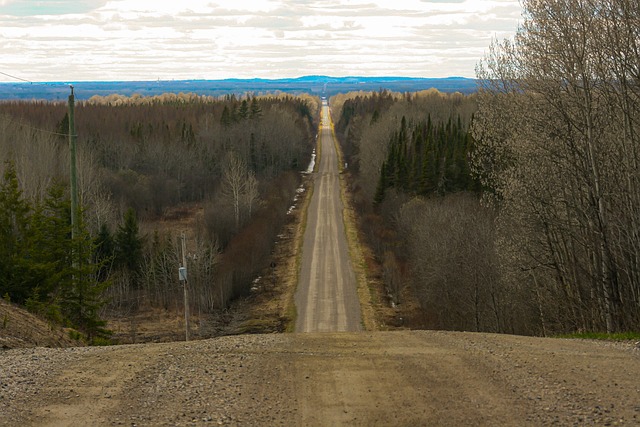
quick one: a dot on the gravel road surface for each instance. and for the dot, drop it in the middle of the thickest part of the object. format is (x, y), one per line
(380, 378)
(326, 298)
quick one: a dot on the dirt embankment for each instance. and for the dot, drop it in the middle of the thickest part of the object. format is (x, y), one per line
(20, 329)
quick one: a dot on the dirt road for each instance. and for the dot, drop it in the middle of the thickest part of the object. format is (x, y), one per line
(381, 378)
(326, 298)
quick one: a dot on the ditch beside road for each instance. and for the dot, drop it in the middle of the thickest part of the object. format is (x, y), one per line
(326, 297)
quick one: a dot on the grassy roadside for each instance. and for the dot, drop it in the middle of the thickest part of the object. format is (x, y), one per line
(365, 292)
(273, 309)
(293, 269)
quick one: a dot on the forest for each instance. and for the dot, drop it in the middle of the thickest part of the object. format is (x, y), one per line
(514, 209)
(420, 207)
(232, 162)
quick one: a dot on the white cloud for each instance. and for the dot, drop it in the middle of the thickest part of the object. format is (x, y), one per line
(147, 39)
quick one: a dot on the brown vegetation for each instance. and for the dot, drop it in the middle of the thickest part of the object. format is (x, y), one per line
(557, 134)
(143, 160)
(21, 329)
(544, 238)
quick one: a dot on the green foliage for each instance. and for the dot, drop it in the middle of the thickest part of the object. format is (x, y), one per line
(255, 110)
(243, 110)
(41, 265)
(14, 232)
(226, 119)
(63, 127)
(75, 335)
(100, 342)
(50, 310)
(104, 252)
(128, 251)
(426, 158)
(82, 300)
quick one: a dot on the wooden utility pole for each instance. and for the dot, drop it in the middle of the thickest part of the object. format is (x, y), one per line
(183, 278)
(72, 160)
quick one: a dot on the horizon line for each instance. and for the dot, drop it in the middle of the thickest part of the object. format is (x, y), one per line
(159, 80)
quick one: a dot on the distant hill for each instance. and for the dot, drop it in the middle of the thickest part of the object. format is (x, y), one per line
(315, 85)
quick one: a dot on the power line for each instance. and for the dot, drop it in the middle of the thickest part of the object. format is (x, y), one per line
(12, 120)
(33, 83)
(14, 77)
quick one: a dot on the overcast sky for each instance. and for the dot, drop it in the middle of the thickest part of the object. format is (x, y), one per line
(74, 40)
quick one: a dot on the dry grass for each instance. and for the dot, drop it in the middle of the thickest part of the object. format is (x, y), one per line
(365, 290)
(20, 329)
(271, 308)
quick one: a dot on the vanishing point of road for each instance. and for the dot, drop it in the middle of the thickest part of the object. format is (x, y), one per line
(326, 299)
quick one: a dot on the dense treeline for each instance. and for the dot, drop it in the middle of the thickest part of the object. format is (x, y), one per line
(554, 244)
(143, 160)
(420, 207)
(557, 134)
(427, 159)
(37, 268)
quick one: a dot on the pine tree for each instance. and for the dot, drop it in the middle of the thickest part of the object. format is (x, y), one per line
(129, 245)
(60, 270)
(375, 117)
(104, 252)
(14, 229)
(50, 246)
(82, 301)
(226, 118)
(62, 128)
(383, 184)
(243, 110)
(256, 110)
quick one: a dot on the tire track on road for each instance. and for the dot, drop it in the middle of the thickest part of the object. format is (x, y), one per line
(326, 298)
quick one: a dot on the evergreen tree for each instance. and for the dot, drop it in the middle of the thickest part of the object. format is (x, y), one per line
(50, 247)
(256, 110)
(226, 118)
(374, 117)
(62, 128)
(243, 110)
(129, 244)
(104, 252)
(60, 270)
(14, 229)
(424, 158)
(383, 184)
(82, 301)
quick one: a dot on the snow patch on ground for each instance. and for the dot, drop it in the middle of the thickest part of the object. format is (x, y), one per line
(312, 163)
(256, 283)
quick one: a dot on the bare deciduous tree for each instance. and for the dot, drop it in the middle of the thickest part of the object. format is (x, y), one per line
(234, 177)
(556, 132)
